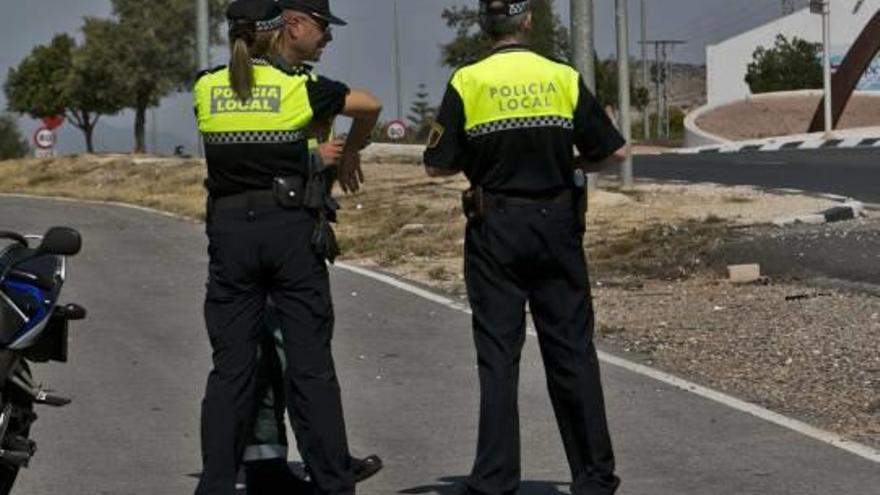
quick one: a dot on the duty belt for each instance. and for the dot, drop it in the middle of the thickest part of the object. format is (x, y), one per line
(499, 201)
(245, 200)
(476, 202)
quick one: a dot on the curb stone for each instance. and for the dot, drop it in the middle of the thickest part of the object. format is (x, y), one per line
(848, 211)
(781, 144)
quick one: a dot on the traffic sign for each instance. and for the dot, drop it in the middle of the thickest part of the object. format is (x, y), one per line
(53, 122)
(396, 130)
(44, 138)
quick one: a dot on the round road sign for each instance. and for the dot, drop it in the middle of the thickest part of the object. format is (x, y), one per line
(44, 138)
(396, 130)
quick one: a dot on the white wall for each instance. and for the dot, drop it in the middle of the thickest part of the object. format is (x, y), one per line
(727, 62)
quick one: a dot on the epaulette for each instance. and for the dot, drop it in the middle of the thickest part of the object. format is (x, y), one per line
(295, 70)
(209, 71)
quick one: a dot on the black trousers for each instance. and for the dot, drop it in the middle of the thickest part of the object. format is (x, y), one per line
(255, 253)
(535, 253)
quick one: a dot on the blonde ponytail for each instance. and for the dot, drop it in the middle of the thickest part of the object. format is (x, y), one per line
(241, 70)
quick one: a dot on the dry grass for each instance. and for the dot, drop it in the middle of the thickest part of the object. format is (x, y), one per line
(412, 225)
(174, 185)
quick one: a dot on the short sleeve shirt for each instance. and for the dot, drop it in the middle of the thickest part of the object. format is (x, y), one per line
(524, 160)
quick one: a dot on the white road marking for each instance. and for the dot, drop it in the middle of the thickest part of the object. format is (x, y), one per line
(829, 438)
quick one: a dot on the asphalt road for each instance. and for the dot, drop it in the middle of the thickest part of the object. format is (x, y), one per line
(849, 172)
(847, 253)
(139, 363)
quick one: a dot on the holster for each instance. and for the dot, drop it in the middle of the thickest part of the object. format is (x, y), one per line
(579, 204)
(473, 204)
(318, 198)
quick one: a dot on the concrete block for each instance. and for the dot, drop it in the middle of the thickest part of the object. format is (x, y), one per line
(742, 274)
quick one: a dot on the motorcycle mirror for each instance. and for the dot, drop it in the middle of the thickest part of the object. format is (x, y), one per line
(60, 241)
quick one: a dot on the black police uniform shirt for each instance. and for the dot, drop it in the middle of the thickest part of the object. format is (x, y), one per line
(241, 167)
(521, 159)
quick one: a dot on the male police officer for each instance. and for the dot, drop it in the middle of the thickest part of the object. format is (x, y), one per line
(509, 122)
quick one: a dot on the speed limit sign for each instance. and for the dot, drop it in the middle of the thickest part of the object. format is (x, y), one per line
(396, 130)
(44, 138)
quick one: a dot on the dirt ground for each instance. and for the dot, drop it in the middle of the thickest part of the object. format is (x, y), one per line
(798, 350)
(762, 118)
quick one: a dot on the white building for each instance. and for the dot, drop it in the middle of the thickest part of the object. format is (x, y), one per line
(727, 62)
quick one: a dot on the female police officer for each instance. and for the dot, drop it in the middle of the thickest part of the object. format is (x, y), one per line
(510, 123)
(261, 222)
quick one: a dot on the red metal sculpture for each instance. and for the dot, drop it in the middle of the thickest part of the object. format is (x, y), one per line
(851, 70)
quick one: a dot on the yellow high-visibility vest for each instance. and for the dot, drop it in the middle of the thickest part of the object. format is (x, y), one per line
(278, 111)
(516, 89)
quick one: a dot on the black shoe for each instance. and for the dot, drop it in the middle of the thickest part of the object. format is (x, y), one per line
(366, 467)
(274, 477)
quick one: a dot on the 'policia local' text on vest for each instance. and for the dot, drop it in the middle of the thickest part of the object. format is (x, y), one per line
(248, 143)
(514, 90)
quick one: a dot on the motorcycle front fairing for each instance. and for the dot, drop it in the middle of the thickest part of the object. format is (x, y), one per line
(28, 295)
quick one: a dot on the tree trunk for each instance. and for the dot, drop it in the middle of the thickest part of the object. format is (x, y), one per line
(90, 132)
(140, 120)
(90, 146)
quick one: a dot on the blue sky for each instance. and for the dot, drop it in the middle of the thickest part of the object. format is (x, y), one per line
(362, 53)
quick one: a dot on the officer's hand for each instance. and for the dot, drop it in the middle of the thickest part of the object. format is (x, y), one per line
(331, 152)
(350, 174)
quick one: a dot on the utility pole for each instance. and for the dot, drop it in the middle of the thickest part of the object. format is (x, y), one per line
(661, 82)
(826, 65)
(823, 7)
(623, 89)
(582, 41)
(397, 78)
(658, 79)
(203, 48)
(202, 34)
(583, 54)
(646, 118)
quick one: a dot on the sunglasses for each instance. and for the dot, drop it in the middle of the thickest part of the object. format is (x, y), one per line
(322, 24)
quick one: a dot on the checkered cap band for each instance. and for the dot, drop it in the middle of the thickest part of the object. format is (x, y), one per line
(510, 8)
(518, 8)
(271, 24)
(254, 137)
(521, 123)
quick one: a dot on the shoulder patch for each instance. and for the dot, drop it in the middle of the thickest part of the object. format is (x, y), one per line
(205, 72)
(436, 135)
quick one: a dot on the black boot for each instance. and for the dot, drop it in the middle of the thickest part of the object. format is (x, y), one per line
(366, 467)
(274, 477)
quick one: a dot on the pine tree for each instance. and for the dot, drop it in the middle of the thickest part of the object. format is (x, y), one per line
(422, 114)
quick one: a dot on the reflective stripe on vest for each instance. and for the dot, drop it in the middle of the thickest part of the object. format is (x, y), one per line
(315, 141)
(516, 90)
(278, 111)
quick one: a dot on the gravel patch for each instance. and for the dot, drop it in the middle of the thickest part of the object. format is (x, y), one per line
(809, 353)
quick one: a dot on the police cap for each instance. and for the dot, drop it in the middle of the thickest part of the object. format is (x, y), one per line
(506, 8)
(262, 15)
(314, 8)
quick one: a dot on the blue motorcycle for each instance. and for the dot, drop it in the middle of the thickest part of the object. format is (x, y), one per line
(33, 329)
